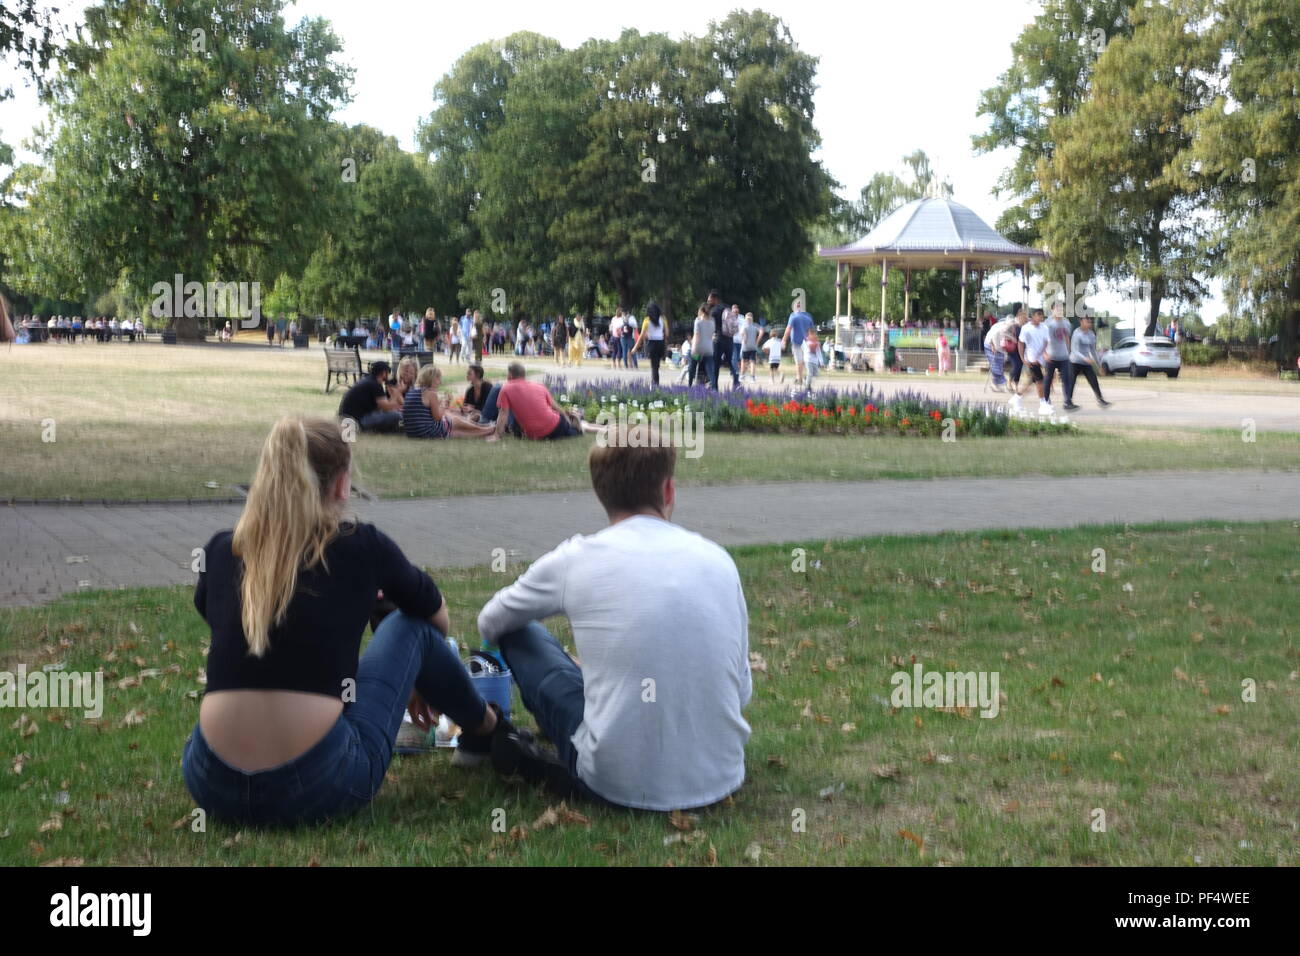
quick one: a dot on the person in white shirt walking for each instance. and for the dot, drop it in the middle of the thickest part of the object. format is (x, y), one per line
(773, 348)
(1033, 349)
(652, 717)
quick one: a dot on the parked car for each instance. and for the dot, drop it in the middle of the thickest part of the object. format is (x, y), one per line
(1139, 355)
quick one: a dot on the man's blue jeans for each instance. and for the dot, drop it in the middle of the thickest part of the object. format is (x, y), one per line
(489, 414)
(343, 772)
(722, 352)
(381, 421)
(702, 369)
(551, 688)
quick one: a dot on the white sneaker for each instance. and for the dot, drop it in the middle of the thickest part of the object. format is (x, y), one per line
(1045, 408)
(1014, 401)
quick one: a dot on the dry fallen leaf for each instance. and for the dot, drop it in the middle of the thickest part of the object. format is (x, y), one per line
(133, 717)
(1223, 709)
(909, 835)
(1180, 674)
(848, 728)
(886, 771)
(682, 821)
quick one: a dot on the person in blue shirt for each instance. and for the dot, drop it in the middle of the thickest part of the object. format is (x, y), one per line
(796, 330)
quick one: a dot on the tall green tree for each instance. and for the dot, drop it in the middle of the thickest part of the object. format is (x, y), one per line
(1052, 61)
(1246, 155)
(29, 37)
(469, 107)
(385, 253)
(523, 170)
(1117, 202)
(186, 141)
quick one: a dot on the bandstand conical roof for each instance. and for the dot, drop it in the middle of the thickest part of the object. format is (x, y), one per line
(933, 233)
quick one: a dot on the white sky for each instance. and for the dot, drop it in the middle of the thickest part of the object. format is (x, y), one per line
(892, 77)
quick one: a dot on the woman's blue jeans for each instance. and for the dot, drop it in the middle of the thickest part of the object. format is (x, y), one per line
(343, 772)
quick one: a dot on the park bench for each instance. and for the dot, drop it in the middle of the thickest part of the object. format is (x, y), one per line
(340, 363)
(422, 356)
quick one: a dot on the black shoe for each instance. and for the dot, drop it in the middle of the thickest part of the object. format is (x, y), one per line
(518, 752)
(1070, 406)
(1103, 403)
(482, 743)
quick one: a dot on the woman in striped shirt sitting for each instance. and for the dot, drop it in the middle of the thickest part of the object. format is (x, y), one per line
(424, 417)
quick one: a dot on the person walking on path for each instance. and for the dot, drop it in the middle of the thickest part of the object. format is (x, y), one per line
(723, 338)
(1017, 364)
(995, 349)
(654, 335)
(1058, 357)
(702, 349)
(560, 340)
(796, 330)
(1083, 357)
(1033, 352)
(748, 344)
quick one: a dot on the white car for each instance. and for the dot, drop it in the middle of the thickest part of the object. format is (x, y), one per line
(1137, 356)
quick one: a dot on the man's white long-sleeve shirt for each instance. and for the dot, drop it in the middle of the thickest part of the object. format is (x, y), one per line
(661, 627)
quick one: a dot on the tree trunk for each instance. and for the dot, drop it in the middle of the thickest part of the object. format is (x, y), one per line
(624, 286)
(1157, 286)
(1289, 333)
(666, 306)
(187, 329)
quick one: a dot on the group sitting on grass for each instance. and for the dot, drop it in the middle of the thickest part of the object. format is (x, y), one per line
(413, 405)
(295, 727)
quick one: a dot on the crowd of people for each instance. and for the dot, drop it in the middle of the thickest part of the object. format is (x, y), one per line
(720, 338)
(1047, 349)
(412, 405)
(73, 328)
(459, 339)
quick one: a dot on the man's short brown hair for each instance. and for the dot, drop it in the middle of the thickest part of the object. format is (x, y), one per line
(630, 479)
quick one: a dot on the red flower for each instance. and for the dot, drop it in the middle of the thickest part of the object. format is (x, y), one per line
(906, 422)
(853, 411)
(839, 409)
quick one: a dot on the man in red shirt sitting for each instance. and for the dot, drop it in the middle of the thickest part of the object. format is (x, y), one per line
(534, 408)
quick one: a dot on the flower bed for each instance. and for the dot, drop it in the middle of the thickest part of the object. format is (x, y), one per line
(861, 410)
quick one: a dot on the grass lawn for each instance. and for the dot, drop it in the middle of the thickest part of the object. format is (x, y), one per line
(1123, 693)
(143, 422)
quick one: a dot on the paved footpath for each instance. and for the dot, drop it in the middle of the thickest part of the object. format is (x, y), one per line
(48, 550)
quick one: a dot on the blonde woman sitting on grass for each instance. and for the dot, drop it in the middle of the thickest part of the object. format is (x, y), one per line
(424, 413)
(407, 370)
(293, 727)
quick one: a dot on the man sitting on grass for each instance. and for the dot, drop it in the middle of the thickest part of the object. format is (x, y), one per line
(368, 404)
(652, 717)
(534, 408)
